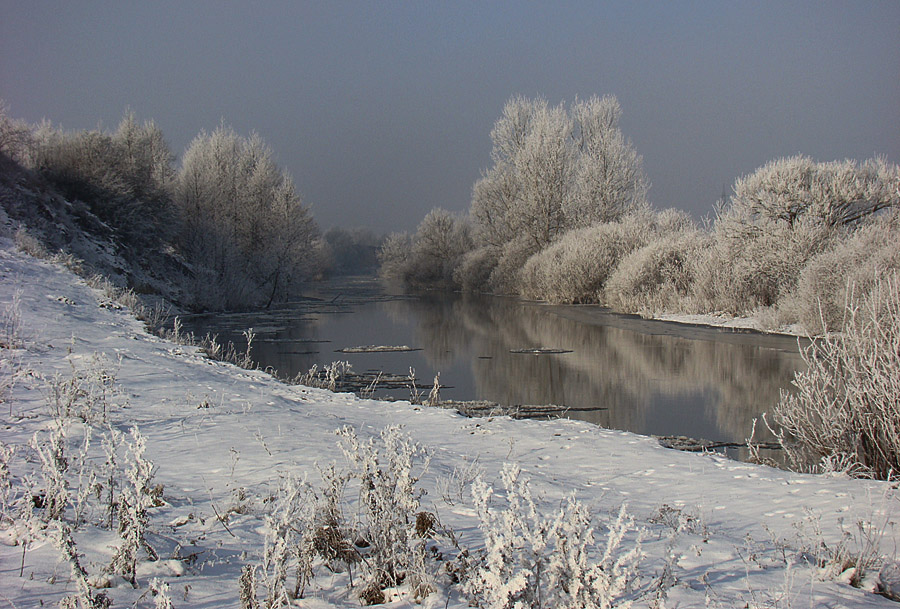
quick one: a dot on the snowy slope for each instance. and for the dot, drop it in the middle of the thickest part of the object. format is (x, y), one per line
(221, 437)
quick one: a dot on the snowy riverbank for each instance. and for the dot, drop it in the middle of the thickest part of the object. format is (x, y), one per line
(716, 532)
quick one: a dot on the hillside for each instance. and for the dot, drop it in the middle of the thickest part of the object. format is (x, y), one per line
(224, 440)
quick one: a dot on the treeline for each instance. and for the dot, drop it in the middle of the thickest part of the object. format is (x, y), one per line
(225, 227)
(562, 215)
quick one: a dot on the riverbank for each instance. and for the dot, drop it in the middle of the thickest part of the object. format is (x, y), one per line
(222, 439)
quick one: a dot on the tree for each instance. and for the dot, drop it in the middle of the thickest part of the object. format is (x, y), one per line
(554, 170)
(832, 194)
(430, 257)
(251, 239)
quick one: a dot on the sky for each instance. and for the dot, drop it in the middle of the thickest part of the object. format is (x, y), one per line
(382, 110)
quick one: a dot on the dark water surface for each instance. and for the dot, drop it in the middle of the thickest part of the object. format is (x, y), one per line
(649, 377)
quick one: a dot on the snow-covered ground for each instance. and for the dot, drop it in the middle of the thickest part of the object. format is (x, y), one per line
(717, 532)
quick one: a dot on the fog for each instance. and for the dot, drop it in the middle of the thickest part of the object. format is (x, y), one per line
(383, 111)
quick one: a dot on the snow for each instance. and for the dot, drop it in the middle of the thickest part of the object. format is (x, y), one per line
(221, 439)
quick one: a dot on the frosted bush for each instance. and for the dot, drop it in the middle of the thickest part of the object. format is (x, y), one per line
(853, 266)
(531, 560)
(288, 544)
(88, 393)
(780, 217)
(797, 189)
(505, 277)
(846, 403)
(135, 500)
(657, 277)
(750, 266)
(390, 500)
(54, 467)
(575, 268)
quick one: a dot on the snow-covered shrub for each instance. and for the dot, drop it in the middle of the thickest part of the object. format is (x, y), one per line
(846, 402)
(288, 543)
(794, 189)
(532, 560)
(88, 393)
(52, 452)
(11, 323)
(575, 268)
(135, 499)
(751, 265)
(505, 277)
(328, 378)
(86, 597)
(852, 266)
(160, 592)
(390, 500)
(779, 218)
(454, 487)
(657, 277)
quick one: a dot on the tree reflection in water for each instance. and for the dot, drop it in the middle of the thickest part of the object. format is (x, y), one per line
(651, 377)
(648, 377)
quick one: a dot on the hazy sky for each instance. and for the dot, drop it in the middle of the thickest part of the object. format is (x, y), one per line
(383, 110)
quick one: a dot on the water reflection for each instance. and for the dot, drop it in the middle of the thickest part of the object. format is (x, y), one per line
(650, 377)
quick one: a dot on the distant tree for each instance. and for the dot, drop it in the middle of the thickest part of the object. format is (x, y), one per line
(244, 227)
(430, 257)
(554, 170)
(352, 251)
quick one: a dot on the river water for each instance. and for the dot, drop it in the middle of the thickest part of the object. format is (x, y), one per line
(620, 372)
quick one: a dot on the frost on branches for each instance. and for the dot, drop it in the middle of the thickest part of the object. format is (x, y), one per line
(532, 561)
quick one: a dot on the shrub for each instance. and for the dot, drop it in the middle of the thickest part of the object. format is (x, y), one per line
(750, 266)
(846, 407)
(657, 277)
(537, 561)
(390, 500)
(853, 266)
(474, 271)
(575, 268)
(505, 277)
(779, 218)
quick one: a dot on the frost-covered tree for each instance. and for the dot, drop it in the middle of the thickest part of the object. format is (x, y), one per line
(244, 227)
(431, 255)
(609, 175)
(797, 188)
(783, 215)
(556, 169)
(123, 177)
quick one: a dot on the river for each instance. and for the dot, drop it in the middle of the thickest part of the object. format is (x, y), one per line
(616, 371)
